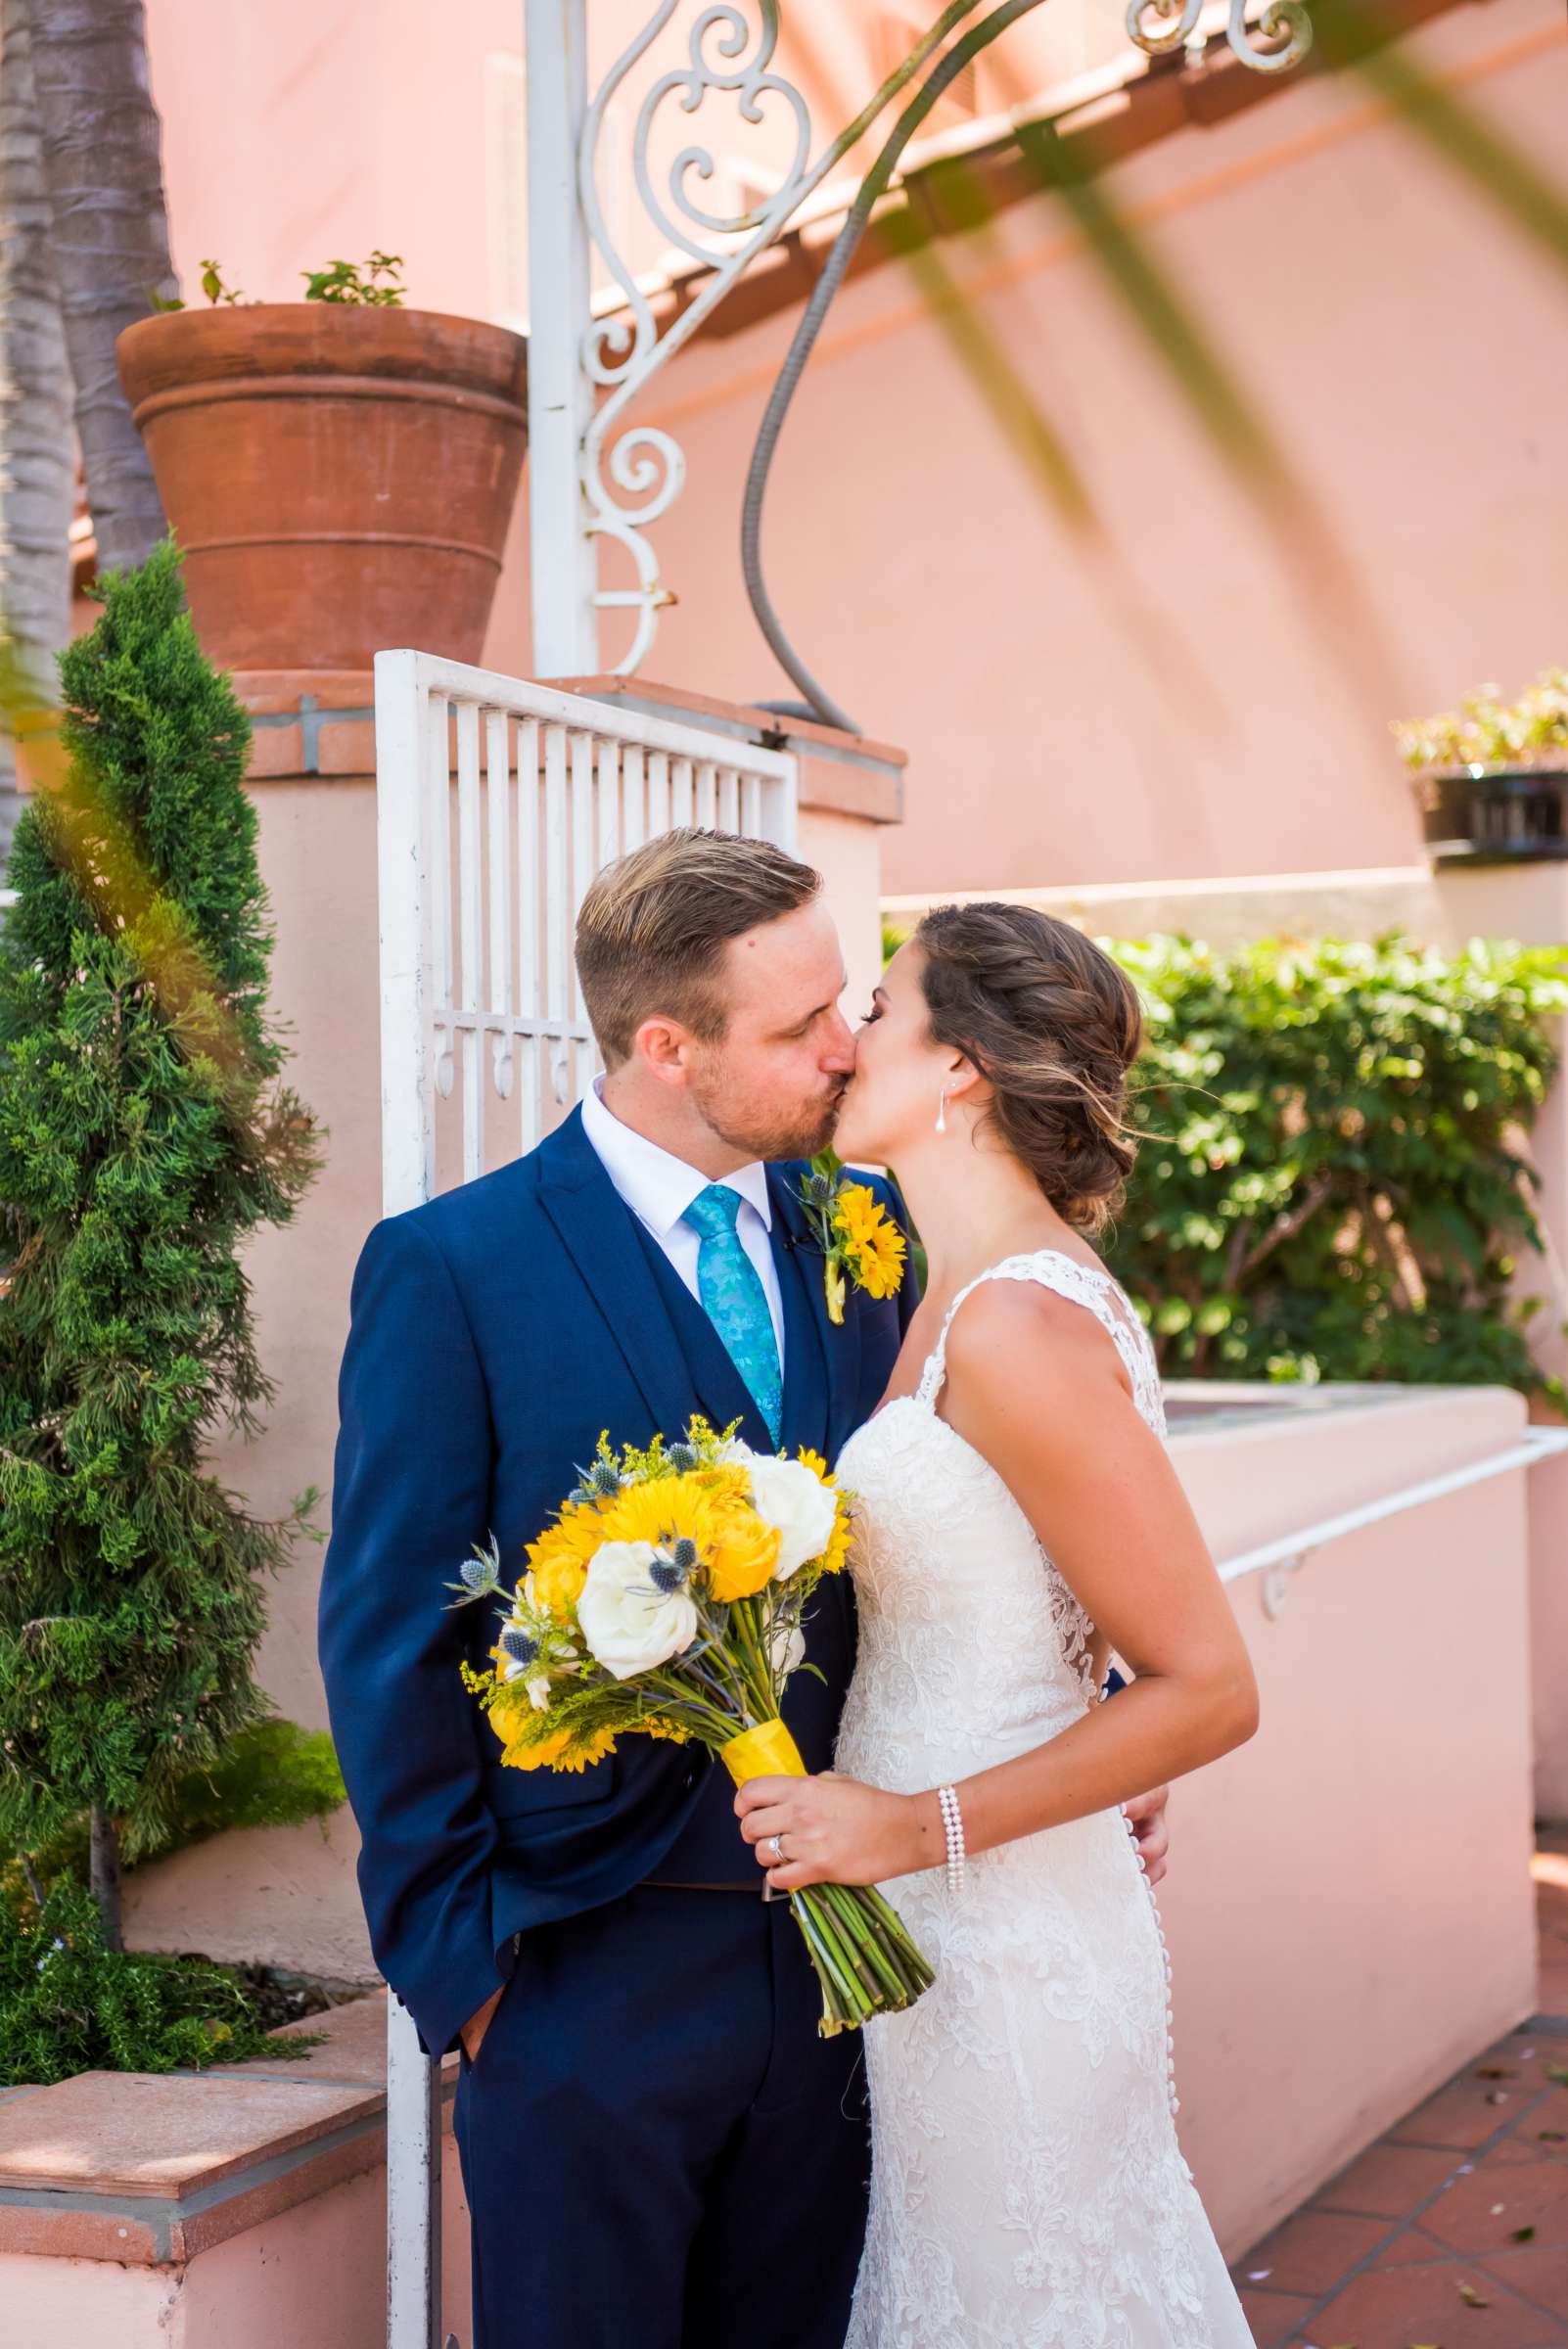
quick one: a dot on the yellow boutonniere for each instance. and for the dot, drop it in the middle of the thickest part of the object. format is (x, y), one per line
(860, 1244)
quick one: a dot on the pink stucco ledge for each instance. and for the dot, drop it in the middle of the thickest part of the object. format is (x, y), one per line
(228, 2209)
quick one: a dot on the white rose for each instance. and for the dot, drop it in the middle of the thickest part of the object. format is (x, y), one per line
(786, 1648)
(787, 1495)
(631, 1625)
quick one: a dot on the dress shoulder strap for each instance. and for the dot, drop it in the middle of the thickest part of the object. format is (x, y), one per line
(1098, 1292)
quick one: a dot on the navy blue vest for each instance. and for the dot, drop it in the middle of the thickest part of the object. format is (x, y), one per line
(709, 1849)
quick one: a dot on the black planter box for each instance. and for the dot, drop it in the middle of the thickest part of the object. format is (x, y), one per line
(1495, 816)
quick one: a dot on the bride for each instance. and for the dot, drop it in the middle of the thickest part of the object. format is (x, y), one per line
(1017, 1522)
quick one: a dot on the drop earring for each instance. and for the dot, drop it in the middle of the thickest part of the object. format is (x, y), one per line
(941, 1112)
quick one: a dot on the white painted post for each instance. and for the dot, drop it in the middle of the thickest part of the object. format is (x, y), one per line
(560, 553)
(407, 1177)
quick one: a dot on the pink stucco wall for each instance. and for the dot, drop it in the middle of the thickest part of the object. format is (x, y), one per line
(1184, 695)
(1180, 698)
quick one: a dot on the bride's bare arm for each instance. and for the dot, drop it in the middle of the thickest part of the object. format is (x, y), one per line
(1036, 1386)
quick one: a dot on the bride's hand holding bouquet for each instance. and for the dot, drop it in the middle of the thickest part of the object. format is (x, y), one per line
(665, 1601)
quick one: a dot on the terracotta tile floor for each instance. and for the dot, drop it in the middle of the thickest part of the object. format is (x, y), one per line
(1451, 2231)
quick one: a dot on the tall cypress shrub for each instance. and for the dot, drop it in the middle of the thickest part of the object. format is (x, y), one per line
(144, 1135)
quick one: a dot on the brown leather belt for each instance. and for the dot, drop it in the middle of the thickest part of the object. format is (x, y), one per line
(763, 1889)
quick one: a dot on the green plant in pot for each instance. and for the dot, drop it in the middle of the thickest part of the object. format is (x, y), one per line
(1491, 776)
(340, 472)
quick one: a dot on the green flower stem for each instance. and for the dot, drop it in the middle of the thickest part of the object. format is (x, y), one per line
(828, 1957)
(897, 1938)
(858, 1928)
(858, 1968)
(838, 2013)
(745, 1623)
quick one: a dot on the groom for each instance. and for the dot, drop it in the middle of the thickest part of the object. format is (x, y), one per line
(658, 2150)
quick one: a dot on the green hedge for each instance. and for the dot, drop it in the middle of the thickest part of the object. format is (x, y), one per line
(1332, 1181)
(69, 2004)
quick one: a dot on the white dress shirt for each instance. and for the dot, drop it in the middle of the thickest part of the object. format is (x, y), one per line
(658, 1187)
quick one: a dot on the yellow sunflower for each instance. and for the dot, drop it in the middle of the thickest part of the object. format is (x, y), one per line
(877, 1246)
(522, 1745)
(666, 1509)
(837, 1552)
(558, 1559)
(584, 1750)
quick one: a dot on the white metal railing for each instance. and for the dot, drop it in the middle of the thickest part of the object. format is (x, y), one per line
(496, 802)
(1278, 1559)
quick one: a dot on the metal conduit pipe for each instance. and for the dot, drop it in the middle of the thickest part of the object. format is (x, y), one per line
(818, 704)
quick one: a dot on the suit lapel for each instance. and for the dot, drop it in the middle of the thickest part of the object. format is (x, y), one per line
(600, 1234)
(821, 1361)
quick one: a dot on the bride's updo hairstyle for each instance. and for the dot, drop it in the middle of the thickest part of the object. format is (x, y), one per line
(1053, 1025)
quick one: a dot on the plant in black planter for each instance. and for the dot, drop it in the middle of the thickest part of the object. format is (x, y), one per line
(144, 1135)
(1491, 776)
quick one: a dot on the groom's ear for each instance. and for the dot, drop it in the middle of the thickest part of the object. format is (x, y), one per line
(664, 1047)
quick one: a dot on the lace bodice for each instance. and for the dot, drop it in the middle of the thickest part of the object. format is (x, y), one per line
(1028, 2191)
(957, 1600)
(1089, 1285)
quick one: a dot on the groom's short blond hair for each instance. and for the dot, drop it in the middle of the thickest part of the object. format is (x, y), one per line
(653, 929)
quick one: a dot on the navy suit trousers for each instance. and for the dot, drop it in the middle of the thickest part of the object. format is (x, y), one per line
(658, 2150)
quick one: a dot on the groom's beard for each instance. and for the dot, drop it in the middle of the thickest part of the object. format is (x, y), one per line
(768, 1129)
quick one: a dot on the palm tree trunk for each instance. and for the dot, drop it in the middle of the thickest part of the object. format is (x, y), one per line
(37, 450)
(103, 171)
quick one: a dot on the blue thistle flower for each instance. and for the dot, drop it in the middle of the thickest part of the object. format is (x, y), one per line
(669, 1574)
(519, 1646)
(682, 1458)
(820, 1187)
(604, 1480)
(478, 1573)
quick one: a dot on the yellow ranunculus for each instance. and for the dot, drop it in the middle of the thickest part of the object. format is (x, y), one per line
(743, 1553)
(558, 1559)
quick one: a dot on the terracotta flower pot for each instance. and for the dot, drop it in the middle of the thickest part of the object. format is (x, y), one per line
(341, 478)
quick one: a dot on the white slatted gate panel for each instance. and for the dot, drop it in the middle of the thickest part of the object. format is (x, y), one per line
(496, 802)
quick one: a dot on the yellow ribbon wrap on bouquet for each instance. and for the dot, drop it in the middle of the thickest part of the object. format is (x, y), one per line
(767, 1752)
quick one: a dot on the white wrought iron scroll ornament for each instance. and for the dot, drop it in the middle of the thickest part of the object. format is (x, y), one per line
(631, 473)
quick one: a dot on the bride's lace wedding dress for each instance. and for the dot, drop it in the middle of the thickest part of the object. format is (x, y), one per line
(1027, 2188)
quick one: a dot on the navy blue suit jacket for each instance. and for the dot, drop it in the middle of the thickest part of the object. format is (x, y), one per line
(495, 1331)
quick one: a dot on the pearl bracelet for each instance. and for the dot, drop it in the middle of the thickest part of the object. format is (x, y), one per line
(953, 1821)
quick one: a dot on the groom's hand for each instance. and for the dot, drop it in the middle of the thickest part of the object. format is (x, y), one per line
(1146, 1817)
(473, 2032)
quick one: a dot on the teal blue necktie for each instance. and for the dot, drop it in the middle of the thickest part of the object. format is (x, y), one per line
(735, 1301)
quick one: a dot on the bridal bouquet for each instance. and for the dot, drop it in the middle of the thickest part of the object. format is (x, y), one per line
(665, 1600)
